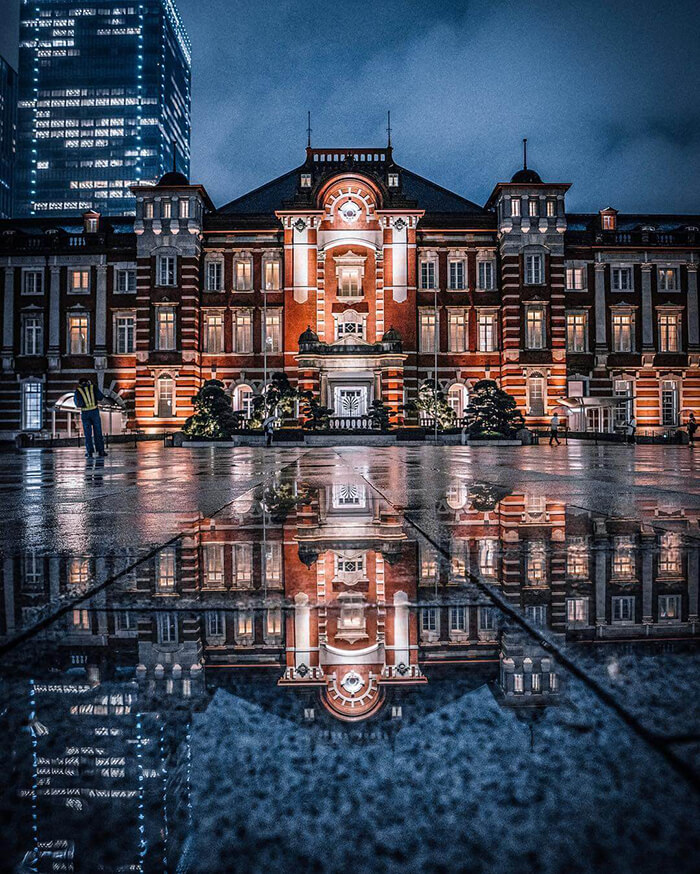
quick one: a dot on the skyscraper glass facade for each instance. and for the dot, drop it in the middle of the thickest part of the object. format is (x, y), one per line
(8, 132)
(104, 102)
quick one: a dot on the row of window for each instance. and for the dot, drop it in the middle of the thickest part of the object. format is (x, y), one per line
(457, 274)
(622, 609)
(623, 332)
(533, 207)
(79, 281)
(457, 620)
(166, 208)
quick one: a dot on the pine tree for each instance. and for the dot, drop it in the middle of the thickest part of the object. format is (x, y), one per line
(433, 404)
(492, 411)
(213, 419)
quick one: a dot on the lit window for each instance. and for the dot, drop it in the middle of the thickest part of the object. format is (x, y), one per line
(32, 281)
(126, 281)
(306, 180)
(669, 607)
(393, 179)
(670, 555)
(533, 208)
(515, 206)
(166, 270)
(244, 627)
(458, 399)
(488, 557)
(243, 400)
(273, 623)
(535, 394)
(215, 272)
(623, 332)
(428, 565)
(486, 275)
(32, 334)
(427, 331)
(78, 327)
(242, 563)
(577, 558)
(184, 208)
(623, 608)
(622, 279)
(668, 279)
(349, 282)
(165, 328)
(124, 325)
(272, 275)
(213, 333)
(272, 563)
(165, 388)
(624, 565)
(536, 563)
(457, 322)
(534, 274)
(91, 225)
(148, 210)
(166, 209)
(488, 332)
(272, 336)
(608, 222)
(534, 327)
(518, 686)
(243, 273)
(456, 275)
(575, 278)
(551, 208)
(165, 571)
(576, 611)
(427, 274)
(81, 620)
(576, 332)
(669, 332)
(32, 405)
(215, 625)
(623, 410)
(669, 402)
(214, 563)
(242, 331)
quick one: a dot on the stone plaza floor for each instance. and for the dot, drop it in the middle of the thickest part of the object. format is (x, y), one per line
(382, 659)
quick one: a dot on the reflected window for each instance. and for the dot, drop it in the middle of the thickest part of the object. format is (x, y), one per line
(623, 560)
(536, 563)
(273, 623)
(537, 614)
(124, 621)
(348, 495)
(577, 558)
(351, 620)
(214, 563)
(458, 620)
(536, 682)
(670, 556)
(165, 571)
(273, 562)
(623, 608)
(350, 567)
(166, 627)
(428, 565)
(215, 624)
(669, 607)
(244, 627)
(429, 624)
(488, 557)
(78, 571)
(81, 620)
(457, 494)
(518, 683)
(577, 611)
(243, 563)
(33, 572)
(486, 619)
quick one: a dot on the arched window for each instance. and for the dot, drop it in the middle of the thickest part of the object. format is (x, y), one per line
(535, 394)
(457, 494)
(165, 396)
(243, 399)
(458, 398)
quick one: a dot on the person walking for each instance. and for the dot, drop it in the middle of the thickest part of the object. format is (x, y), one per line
(632, 430)
(87, 396)
(554, 429)
(692, 428)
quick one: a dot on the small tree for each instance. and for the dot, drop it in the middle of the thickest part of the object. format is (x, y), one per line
(492, 411)
(278, 399)
(213, 417)
(485, 497)
(379, 415)
(434, 404)
(316, 414)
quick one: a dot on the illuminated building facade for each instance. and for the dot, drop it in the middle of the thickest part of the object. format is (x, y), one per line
(8, 135)
(104, 102)
(360, 280)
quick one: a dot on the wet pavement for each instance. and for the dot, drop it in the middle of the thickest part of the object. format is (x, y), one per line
(425, 659)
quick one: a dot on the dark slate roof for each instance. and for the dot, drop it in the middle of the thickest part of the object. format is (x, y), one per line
(527, 177)
(172, 179)
(266, 198)
(634, 221)
(434, 198)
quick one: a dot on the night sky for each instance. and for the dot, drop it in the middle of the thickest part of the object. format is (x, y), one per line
(606, 92)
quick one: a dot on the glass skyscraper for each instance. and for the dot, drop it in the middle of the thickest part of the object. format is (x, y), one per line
(8, 132)
(104, 101)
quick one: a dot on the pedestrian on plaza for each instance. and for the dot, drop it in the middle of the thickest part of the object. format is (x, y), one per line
(554, 429)
(692, 428)
(268, 428)
(631, 427)
(87, 396)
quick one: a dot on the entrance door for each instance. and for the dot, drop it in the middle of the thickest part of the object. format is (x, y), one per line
(350, 401)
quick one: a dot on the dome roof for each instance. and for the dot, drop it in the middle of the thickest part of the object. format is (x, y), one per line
(308, 336)
(527, 177)
(173, 178)
(391, 336)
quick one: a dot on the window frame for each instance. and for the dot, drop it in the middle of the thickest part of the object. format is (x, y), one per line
(85, 280)
(620, 314)
(161, 309)
(127, 272)
(461, 336)
(428, 274)
(34, 272)
(486, 266)
(668, 335)
(571, 317)
(214, 266)
(82, 314)
(428, 313)
(531, 309)
(238, 316)
(207, 316)
(616, 274)
(31, 387)
(663, 284)
(118, 317)
(166, 269)
(38, 347)
(457, 274)
(533, 276)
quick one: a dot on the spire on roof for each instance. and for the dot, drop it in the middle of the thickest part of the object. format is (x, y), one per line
(524, 153)
(174, 145)
(388, 129)
(308, 130)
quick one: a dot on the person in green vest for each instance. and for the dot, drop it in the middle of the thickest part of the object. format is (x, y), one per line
(87, 396)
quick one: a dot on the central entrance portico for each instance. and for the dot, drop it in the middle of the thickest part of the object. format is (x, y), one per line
(350, 400)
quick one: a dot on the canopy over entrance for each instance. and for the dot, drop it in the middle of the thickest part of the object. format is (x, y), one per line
(596, 414)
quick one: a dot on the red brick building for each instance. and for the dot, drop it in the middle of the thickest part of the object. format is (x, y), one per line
(360, 279)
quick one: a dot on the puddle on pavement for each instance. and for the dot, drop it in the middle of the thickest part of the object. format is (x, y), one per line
(314, 680)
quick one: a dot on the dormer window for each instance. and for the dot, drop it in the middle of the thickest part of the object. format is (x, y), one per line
(608, 221)
(393, 180)
(91, 225)
(305, 180)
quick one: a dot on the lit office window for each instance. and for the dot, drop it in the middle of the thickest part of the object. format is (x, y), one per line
(165, 328)
(213, 333)
(32, 405)
(272, 337)
(78, 334)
